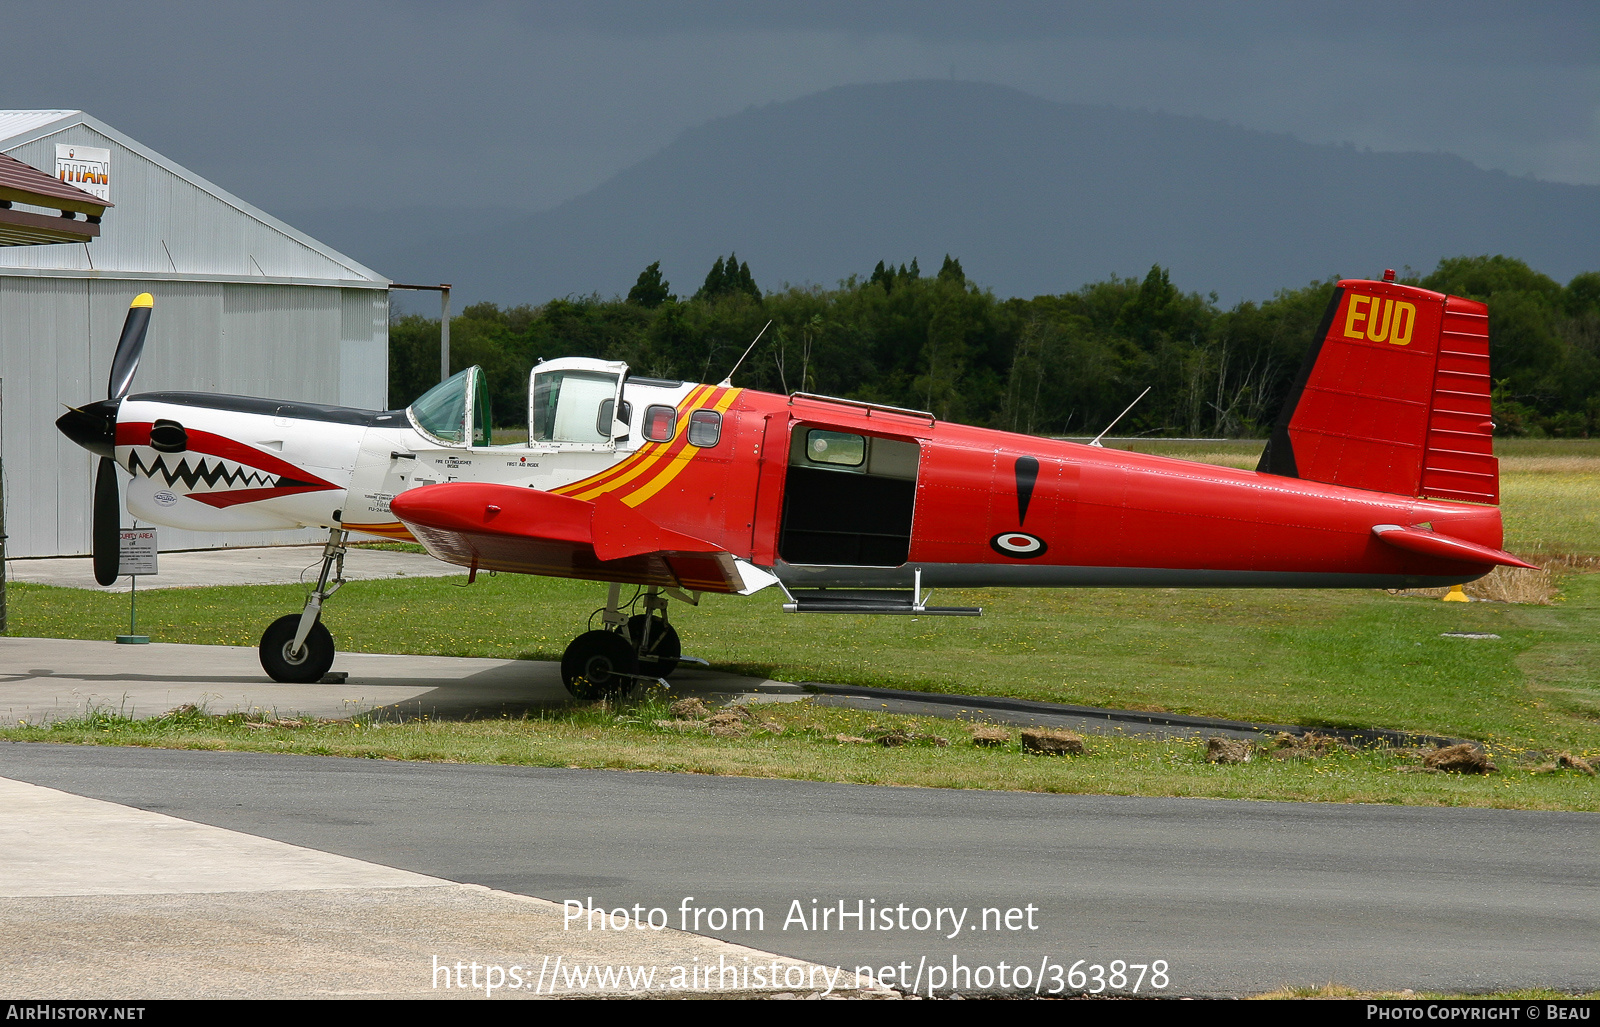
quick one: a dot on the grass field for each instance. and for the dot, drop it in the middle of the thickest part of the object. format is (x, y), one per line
(1314, 658)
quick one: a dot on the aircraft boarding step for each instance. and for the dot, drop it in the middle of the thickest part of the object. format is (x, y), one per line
(891, 601)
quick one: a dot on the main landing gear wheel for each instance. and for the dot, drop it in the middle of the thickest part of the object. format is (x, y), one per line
(658, 656)
(598, 664)
(309, 664)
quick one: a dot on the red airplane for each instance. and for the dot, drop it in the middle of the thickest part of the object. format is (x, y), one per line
(1379, 473)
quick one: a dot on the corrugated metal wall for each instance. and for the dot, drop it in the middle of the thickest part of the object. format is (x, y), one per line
(57, 337)
(164, 223)
(315, 343)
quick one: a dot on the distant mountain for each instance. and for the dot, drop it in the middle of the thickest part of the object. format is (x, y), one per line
(1032, 196)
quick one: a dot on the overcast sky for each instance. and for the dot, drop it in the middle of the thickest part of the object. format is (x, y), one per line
(324, 104)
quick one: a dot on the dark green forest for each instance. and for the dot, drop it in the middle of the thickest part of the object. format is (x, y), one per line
(1051, 365)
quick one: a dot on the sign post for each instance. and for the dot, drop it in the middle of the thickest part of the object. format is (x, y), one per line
(136, 555)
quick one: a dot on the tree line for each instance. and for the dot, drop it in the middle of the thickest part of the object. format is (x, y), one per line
(1051, 365)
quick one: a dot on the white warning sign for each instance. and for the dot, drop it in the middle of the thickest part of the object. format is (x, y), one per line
(137, 553)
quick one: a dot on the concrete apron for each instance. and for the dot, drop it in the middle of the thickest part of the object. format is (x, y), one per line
(52, 678)
(103, 901)
(44, 679)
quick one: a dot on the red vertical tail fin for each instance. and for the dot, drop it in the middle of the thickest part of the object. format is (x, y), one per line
(1393, 397)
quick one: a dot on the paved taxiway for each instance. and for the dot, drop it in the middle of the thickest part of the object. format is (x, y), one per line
(1234, 896)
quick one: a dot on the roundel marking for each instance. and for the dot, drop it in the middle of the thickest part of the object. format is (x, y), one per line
(1018, 544)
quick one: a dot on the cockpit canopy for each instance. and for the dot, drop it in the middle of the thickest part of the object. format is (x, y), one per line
(456, 411)
(574, 402)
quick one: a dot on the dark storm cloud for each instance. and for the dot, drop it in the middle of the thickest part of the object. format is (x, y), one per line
(300, 105)
(1559, 30)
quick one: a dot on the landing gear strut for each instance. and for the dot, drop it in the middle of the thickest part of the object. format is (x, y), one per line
(627, 649)
(655, 640)
(297, 648)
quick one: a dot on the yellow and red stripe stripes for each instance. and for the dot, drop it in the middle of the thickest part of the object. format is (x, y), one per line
(650, 469)
(679, 460)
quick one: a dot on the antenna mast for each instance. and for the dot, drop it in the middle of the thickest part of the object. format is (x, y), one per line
(727, 383)
(1120, 416)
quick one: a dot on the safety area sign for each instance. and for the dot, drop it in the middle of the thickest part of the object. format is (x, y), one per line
(137, 552)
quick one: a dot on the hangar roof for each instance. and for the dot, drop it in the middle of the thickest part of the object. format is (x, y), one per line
(169, 222)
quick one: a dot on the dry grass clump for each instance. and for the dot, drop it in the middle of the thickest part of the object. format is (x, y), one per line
(1566, 761)
(1537, 587)
(990, 736)
(1228, 750)
(1052, 742)
(1309, 746)
(689, 709)
(1465, 758)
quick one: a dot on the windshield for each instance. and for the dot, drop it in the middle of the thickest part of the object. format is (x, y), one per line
(443, 411)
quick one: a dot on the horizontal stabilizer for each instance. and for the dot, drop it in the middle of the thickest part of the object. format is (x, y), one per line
(1431, 543)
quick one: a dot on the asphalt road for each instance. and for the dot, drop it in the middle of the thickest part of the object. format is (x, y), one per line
(1235, 897)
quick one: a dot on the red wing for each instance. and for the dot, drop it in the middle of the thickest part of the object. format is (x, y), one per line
(526, 531)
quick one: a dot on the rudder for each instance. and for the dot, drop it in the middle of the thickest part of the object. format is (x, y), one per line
(1393, 397)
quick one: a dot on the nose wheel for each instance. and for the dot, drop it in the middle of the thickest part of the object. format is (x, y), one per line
(282, 662)
(297, 648)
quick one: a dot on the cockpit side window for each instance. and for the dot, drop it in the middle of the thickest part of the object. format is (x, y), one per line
(566, 406)
(608, 414)
(660, 423)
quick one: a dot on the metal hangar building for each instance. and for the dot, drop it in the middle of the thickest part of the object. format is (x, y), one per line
(244, 304)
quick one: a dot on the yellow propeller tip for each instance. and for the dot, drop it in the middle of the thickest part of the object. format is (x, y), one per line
(144, 299)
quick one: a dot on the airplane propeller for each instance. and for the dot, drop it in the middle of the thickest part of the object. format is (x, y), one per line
(94, 427)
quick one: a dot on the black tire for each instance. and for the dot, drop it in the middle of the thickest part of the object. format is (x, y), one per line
(661, 656)
(592, 666)
(316, 656)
